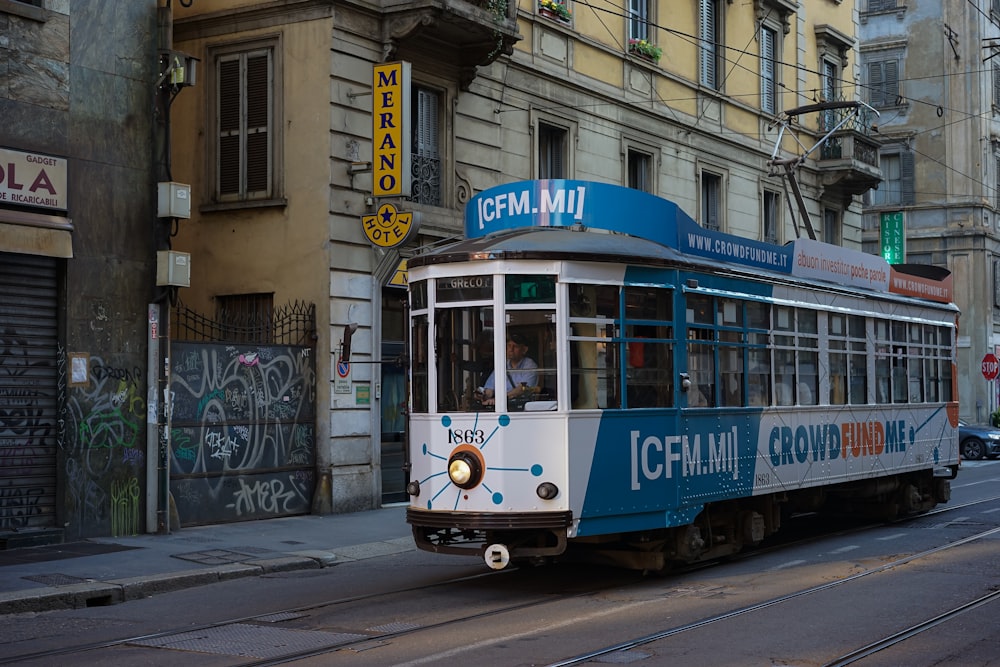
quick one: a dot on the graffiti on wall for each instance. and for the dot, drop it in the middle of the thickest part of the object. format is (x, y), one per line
(27, 433)
(242, 442)
(104, 457)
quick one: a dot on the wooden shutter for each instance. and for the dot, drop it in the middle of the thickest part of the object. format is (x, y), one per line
(707, 38)
(426, 140)
(768, 38)
(906, 177)
(229, 105)
(891, 93)
(258, 158)
(876, 92)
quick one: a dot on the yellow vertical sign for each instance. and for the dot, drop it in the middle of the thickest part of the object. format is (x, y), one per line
(391, 129)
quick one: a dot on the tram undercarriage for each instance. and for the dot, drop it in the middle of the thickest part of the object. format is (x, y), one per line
(721, 529)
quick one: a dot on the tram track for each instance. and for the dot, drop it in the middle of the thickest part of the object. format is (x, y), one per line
(914, 630)
(362, 642)
(893, 639)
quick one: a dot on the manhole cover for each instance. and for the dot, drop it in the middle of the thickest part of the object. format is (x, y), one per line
(54, 579)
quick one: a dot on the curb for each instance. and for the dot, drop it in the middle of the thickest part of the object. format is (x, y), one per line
(115, 591)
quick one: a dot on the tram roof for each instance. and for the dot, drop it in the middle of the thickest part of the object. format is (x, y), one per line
(577, 243)
(589, 221)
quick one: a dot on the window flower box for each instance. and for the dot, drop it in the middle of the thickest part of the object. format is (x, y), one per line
(557, 11)
(645, 49)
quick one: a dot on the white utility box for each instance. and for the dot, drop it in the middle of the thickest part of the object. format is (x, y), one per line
(173, 268)
(173, 200)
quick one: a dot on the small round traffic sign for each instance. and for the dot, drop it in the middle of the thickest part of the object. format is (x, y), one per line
(991, 367)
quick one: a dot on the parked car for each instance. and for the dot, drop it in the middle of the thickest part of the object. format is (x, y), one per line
(978, 441)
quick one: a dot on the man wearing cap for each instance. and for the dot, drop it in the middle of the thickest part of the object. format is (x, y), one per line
(522, 373)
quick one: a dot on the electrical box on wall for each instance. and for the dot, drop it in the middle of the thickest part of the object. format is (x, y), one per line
(173, 200)
(173, 268)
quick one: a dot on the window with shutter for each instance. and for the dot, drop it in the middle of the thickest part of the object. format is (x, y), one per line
(243, 156)
(881, 5)
(768, 70)
(640, 170)
(770, 220)
(906, 178)
(883, 83)
(425, 152)
(996, 85)
(708, 38)
(996, 180)
(889, 191)
(551, 151)
(711, 205)
(831, 226)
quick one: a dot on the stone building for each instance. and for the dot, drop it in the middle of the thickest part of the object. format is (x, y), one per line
(932, 71)
(78, 235)
(680, 99)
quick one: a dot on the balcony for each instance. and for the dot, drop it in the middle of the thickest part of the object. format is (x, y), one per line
(470, 34)
(848, 159)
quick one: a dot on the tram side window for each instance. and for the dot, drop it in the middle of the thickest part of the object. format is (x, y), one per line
(938, 365)
(784, 356)
(463, 345)
(730, 320)
(857, 359)
(418, 357)
(649, 379)
(883, 356)
(701, 351)
(535, 329)
(759, 354)
(837, 344)
(916, 354)
(944, 365)
(808, 356)
(899, 363)
(595, 368)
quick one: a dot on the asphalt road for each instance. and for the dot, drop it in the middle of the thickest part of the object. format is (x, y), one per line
(808, 603)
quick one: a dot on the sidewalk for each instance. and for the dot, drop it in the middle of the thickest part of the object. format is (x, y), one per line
(102, 571)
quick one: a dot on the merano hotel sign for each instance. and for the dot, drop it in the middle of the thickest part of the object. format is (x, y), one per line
(391, 130)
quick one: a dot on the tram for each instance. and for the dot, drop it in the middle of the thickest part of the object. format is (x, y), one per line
(594, 375)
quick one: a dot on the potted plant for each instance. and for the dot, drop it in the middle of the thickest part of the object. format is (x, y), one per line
(555, 10)
(645, 49)
(995, 418)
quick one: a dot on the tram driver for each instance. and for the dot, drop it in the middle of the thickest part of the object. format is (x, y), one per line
(521, 372)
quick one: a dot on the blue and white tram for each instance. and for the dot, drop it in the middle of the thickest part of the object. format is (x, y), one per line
(590, 368)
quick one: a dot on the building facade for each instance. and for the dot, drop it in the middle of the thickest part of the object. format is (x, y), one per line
(681, 99)
(932, 71)
(78, 241)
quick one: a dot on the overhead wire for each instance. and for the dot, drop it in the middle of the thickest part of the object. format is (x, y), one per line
(734, 64)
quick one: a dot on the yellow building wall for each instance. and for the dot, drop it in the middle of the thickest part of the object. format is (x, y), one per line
(285, 246)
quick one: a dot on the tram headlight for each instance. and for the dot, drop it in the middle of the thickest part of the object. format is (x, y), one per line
(413, 488)
(547, 491)
(465, 469)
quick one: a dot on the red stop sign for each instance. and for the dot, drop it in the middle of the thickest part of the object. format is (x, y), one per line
(991, 367)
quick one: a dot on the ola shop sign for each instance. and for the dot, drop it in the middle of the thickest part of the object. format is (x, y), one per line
(391, 130)
(389, 227)
(30, 179)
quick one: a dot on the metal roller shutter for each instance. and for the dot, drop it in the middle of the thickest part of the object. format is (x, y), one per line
(28, 391)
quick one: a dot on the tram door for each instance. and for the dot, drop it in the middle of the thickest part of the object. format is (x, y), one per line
(393, 397)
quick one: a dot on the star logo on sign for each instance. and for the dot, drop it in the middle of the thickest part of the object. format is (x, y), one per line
(388, 214)
(388, 227)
